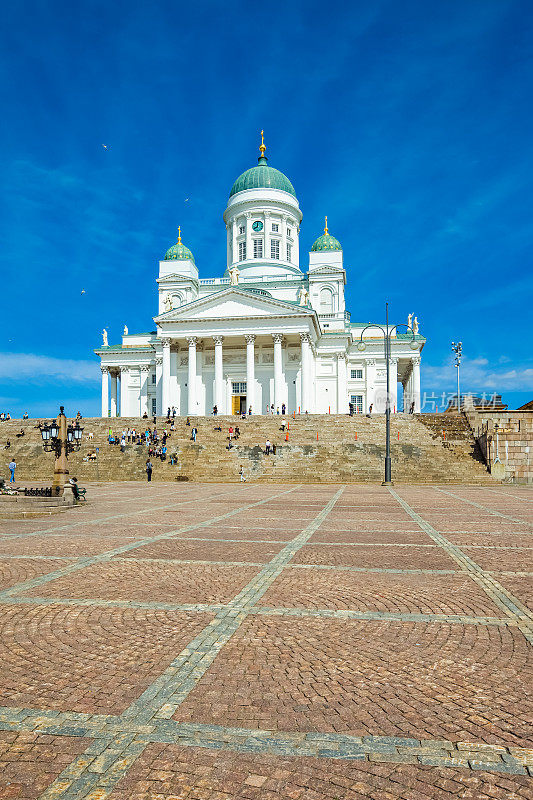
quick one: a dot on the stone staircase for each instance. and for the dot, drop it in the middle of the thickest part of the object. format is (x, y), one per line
(424, 448)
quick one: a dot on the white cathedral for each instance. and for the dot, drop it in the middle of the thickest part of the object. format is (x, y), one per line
(266, 336)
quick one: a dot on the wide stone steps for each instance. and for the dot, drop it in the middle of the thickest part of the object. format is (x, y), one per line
(424, 448)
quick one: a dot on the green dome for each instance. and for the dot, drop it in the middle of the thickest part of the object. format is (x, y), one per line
(178, 251)
(326, 242)
(262, 177)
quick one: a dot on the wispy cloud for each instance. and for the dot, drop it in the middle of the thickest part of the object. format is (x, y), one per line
(478, 375)
(35, 368)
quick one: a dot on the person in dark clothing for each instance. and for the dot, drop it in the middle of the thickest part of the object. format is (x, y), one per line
(149, 468)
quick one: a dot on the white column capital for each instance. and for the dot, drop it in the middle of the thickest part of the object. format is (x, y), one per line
(278, 337)
(158, 360)
(340, 356)
(370, 362)
(250, 338)
(104, 370)
(305, 337)
(124, 369)
(145, 368)
(192, 340)
(394, 360)
(416, 362)
(218, 339)
(165, 342)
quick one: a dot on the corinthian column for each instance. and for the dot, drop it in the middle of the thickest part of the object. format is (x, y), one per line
(416, 384)
(250, 372)
(305, 372)
(278, 371)
(342, 385)
(105, 391)
(165, 391)
(191, 381)
(219, 375)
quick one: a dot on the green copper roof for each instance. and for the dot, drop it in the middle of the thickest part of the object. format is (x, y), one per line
(326, 242)
(178, 252)
(262, 177)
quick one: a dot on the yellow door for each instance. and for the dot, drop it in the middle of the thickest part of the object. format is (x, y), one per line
(236, 404)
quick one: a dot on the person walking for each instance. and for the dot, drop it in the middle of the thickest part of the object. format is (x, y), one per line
(149, 468)
(267, 447)
(370, 407)
(173, 412)
(193, 434)
(241, 473)
(12, 467)
(122, 443)
(215, 411)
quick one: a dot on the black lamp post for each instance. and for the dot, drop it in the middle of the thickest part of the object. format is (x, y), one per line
(387, 334)
(61, 439)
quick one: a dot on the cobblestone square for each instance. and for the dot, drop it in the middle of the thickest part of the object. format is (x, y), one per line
(215, 642)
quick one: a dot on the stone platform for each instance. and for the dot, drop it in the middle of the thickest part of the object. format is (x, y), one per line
(215, 642)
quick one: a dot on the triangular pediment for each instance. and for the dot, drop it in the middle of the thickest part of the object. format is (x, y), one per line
(325, 269)
(233, 303)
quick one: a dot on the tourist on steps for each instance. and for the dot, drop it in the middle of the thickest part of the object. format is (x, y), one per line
(149, 468)
(12, 467)
(241, 473)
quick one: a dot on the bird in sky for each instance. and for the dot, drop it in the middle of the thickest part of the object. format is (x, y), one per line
(83, 291)
(187, 199)
(105, 147)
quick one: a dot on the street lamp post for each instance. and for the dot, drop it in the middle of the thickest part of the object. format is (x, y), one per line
(61, 438)
(387, 334)
(457, 348)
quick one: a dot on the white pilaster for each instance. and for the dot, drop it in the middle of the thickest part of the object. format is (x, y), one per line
(268, 234)
(159, 385)
(306, 372)
(145, 377)
(114, 393)
(342, 384)
(165, 377)
(105, 391)
(249, 244)
(370, 383)
(416, 384)
(219, 375)
(278, 371)
(124, 406)
(250, 373)
(191, 380)
(393, 384)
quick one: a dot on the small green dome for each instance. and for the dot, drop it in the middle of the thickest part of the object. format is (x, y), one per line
(326, 242)
(178, 251)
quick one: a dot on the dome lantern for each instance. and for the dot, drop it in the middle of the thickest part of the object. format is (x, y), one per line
(262, 176)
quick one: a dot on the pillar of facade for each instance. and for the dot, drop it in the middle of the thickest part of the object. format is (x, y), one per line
(165, 377)
(191, 379)
(114, 393)
(393, 384)
(235, 246)
(370, 383)
(278, 371)
(124, 406)
(268, 234)
(219, 375)
(416, 385)
(305, 372)
(145, 377)
(250, 372)
(249, 242)
(105, 391)
(342, 384)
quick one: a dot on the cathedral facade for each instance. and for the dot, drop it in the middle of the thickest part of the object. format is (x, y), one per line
(265, 336)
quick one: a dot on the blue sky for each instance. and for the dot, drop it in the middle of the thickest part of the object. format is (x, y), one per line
(409, 124)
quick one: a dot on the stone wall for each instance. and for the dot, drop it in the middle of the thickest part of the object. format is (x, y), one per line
(505, 438)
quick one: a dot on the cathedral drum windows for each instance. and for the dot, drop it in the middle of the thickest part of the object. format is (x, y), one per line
(356, 374)
(242, 251)
(274, 249)
(275, 227)
(258, 248)
(289, 252)
(241, 230)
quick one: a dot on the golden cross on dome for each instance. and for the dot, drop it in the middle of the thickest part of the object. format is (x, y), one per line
(179, 234)
(262, 146)
(326, 227)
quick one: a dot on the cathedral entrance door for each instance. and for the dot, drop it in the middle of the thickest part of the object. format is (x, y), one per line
(238, 404)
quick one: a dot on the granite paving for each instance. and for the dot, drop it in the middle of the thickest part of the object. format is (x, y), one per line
(216, 641)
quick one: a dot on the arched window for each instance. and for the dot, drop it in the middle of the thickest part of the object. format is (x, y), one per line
(177, 300)
(326, 301)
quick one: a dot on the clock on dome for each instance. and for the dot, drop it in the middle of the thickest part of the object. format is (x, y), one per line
(257, 225)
